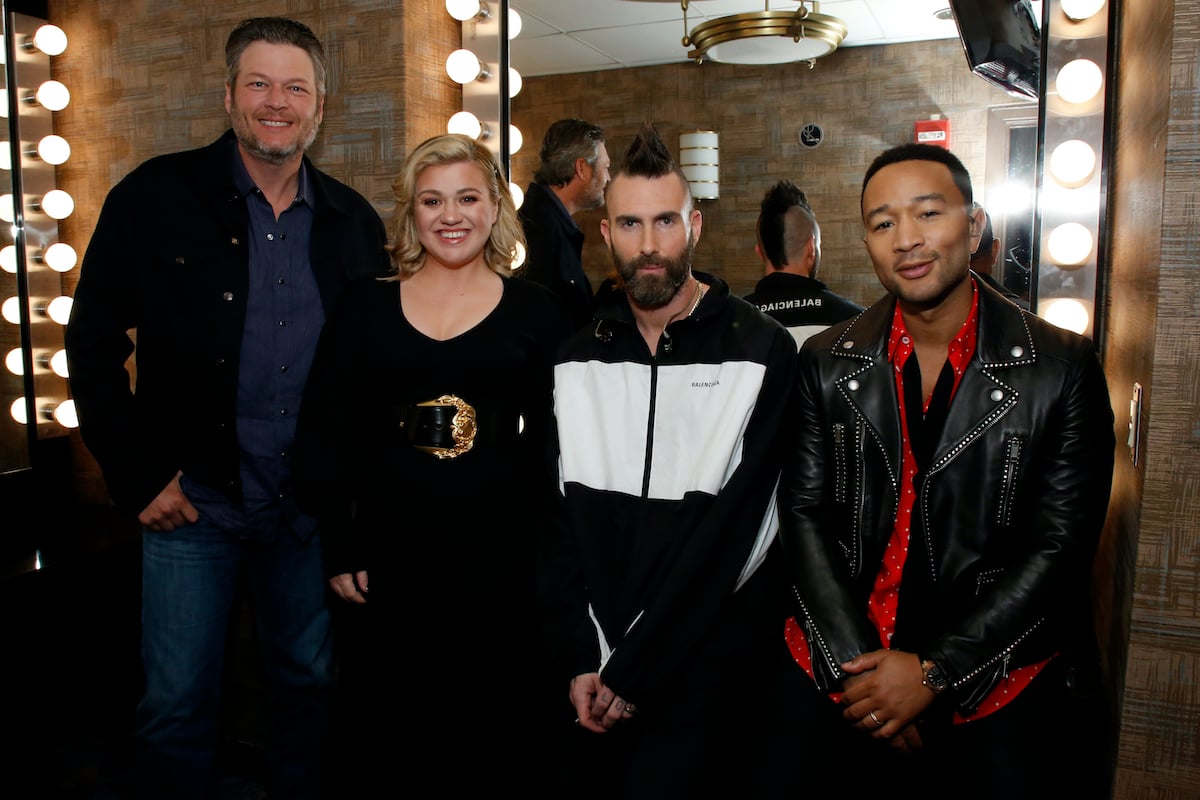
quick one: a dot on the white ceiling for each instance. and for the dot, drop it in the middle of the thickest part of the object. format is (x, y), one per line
(563, 36)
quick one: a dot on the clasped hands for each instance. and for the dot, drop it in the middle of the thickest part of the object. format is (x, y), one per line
(883, 696)
(598, 707)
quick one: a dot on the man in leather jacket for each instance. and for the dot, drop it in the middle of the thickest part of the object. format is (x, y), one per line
(940, 507)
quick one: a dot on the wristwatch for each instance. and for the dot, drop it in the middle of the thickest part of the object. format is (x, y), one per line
(933, 677)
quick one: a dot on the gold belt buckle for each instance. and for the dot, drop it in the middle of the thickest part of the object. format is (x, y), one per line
(462, 426)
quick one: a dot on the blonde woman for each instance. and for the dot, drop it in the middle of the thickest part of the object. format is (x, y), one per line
(422, 446)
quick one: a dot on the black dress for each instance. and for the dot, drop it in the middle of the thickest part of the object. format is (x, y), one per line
(444, 661)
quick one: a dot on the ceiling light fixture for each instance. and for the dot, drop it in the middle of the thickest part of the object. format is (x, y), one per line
(765, 37)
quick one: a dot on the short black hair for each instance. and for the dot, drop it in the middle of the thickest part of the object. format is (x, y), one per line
(914, 151)
(649, 157)
(778, 200)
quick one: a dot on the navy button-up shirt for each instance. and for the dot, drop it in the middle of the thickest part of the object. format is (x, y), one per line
(284, 317)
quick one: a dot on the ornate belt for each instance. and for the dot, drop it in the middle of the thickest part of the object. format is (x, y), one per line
(445, 427)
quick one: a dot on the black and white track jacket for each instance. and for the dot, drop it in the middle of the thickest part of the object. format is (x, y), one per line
(668, 466)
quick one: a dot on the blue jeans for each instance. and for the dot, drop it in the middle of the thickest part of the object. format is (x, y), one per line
(189, 578)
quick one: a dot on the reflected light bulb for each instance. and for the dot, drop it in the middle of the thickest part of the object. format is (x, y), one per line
(518, 256)
(514, 82)
(10, 309)
(1079, 81)
(1079, 10)
(53, 149)
(58, 364)
(465, 122)
(18, 411)
(514, 23)
(8, 259)
(50, 39)
(462, 10)
(1072, 163)
(5, 156)
(1066, 313)
(60, 257)
(59, 309)
(64, 414)
(7, 212)
(463, 66)
(515, 139)
(14, 362)
(518, 196)
(57, 204)
(1069, 243)
(53, 95)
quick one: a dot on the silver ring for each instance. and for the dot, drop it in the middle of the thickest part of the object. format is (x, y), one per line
(629, 708)
(875, 719)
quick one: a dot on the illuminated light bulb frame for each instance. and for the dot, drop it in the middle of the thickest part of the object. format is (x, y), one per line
(486, 29)
(463, 66)
(1070, 242)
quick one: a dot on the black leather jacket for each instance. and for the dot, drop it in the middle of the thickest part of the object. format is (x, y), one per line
(1007, 517)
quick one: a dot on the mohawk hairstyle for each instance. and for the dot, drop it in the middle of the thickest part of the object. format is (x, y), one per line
(649, 157)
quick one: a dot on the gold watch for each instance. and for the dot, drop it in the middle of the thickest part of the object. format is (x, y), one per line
(933, 677)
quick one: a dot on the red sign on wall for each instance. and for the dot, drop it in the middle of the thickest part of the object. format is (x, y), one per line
(932, 131)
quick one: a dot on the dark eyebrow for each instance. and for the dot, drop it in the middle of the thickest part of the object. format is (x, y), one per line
(921, 198)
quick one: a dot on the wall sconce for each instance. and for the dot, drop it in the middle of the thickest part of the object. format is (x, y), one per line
(34, 309)
(1072, 182)
(700, 162)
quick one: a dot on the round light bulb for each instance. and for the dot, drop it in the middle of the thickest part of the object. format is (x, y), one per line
(465, 122)
(18, 411)
(1072, 163)
(59, 309)
(50, 39)
(1079, 81)
(1079, 10)
(1069, 243)
(53, 149)
(514, 82)
(514, 23)
(64, 414)
(7, 212)
(462, 10)
(10, 309)
(518, 256)
(515, 139)
(5, 156)
(53, 95)
(463, 66)
(14, 361)
(1066, 313)
(8, 259)
(58, 364)
(57, 204)
(60, 257)
(518, 196)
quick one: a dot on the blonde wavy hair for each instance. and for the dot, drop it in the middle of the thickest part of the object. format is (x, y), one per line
(406, 251)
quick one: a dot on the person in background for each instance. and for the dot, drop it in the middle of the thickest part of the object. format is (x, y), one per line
(789, 244)
(570, 178)
(241, 246)
(941, 505)
(657, 585)
(985, 261)
(422, 448)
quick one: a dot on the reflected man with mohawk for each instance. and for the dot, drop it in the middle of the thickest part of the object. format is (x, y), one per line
(660, 594)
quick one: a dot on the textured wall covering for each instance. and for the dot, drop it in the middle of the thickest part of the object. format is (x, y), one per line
(147, 77)
(1154, 324)
(865, 98)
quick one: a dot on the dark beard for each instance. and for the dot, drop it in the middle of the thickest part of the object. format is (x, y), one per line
(652, 291)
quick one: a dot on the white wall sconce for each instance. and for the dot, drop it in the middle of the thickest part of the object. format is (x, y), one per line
(700, 162)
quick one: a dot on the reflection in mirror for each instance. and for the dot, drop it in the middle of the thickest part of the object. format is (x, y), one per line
(1008, 192)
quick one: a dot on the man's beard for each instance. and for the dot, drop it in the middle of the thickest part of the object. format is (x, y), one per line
(273, 155)
(653, 290)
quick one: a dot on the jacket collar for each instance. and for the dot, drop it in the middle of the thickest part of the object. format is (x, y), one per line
(1004, 339)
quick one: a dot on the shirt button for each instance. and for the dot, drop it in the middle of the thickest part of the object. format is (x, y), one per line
(280, 281)
(270, 237)
(283, 412)
(283, 367)
(283, 323)
(284, 454)
(220, 362)
(228, 296)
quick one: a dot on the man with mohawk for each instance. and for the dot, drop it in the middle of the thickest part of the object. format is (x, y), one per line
(659, 581)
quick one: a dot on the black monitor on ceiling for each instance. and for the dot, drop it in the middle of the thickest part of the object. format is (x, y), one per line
(1002, 40)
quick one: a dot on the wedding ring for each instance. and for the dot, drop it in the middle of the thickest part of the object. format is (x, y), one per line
(629, 708)
(875, 719)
